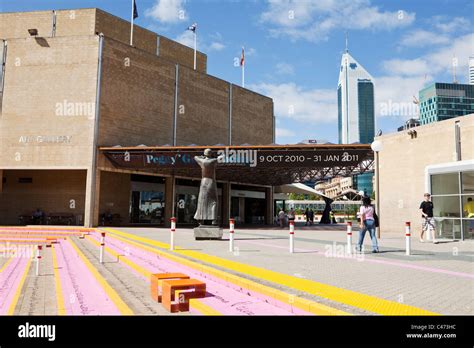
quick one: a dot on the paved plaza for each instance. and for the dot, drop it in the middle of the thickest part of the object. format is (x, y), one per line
(260, 276)
(435, 277)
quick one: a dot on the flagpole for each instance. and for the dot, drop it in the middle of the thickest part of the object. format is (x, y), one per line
(195, 44)
(131, 21)
(243, 67)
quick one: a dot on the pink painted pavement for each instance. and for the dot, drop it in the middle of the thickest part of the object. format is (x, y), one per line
(81, 291)
(224, 297)
(10, 280)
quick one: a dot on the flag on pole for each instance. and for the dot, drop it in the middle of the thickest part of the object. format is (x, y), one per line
(192, 27)
(242, 64)
(134, 15)
(135, 11)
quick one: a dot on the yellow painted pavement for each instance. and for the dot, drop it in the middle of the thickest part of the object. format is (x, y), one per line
(355, 299)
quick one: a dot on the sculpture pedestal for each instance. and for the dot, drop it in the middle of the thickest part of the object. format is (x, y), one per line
(208, 232)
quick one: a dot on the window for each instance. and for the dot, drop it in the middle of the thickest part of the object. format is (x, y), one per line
(452, 196)
(446, 206)
(442, 184)
(467, 183)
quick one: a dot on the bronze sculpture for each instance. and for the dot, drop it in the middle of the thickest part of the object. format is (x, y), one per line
(207, 206)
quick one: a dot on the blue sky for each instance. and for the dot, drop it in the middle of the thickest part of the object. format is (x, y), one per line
(293, 49)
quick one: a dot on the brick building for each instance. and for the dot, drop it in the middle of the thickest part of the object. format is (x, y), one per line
(77, 85)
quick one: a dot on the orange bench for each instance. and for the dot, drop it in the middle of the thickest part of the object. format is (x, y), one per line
(156, 280)
(171, 286)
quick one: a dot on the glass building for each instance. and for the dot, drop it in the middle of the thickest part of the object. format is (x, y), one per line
(355, 101)
(363, 182)
(441, 101)
(452, 190)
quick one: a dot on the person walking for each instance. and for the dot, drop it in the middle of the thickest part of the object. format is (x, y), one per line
(281, 218)
(306, 214)
(367, 223)
(428, 221)
(291, 215)
(311, 217)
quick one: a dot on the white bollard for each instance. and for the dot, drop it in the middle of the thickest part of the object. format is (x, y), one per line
(172, 231)
(102, 246)
(38, 258)
(292, 235)
(407, 238)
(231, 234)
(349, 237)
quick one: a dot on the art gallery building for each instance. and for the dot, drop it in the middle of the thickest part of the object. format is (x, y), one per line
(74, 93)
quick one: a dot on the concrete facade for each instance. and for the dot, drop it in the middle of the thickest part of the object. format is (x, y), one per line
(403, 163)
(79, 85)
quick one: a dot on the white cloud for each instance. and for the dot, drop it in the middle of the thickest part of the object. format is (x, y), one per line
(216, 46)
(418, 66)
(314, 20)
(439, 61)
(284, 132)
(394, 95)
(446, 24)
(187, 39)
(299, 104)
(461, 48)
(217, 42)
(249, 52)
(167, 11)
(395, 88)
(285, 69)
(404, 78)
(439, 30)
(422, 38)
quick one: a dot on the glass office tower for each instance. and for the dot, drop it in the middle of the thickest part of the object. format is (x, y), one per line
(441, 101)
(355, 101)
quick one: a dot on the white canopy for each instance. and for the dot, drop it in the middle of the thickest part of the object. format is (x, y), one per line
(298, 188)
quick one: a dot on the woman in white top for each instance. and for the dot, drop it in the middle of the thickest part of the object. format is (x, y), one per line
(367, 223)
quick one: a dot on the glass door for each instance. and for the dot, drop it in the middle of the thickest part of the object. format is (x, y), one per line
(453, 200)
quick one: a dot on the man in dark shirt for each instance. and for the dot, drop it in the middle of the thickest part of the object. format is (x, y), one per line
(428, 223)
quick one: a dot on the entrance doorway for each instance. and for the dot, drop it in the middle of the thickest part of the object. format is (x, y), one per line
(147, 202)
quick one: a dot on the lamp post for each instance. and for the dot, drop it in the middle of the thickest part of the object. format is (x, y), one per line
(376, 146)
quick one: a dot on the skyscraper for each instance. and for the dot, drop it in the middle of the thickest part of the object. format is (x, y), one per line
(441, 101)
(471, 70)
(355, 101)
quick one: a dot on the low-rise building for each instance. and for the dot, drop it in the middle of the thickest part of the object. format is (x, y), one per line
(437, 158)
(335, 187)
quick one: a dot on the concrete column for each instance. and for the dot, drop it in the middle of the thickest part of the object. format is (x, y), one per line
(96, 207)
(169, 199)
(242, 209)
(91, 211)
(270, 209)
(226, 204)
